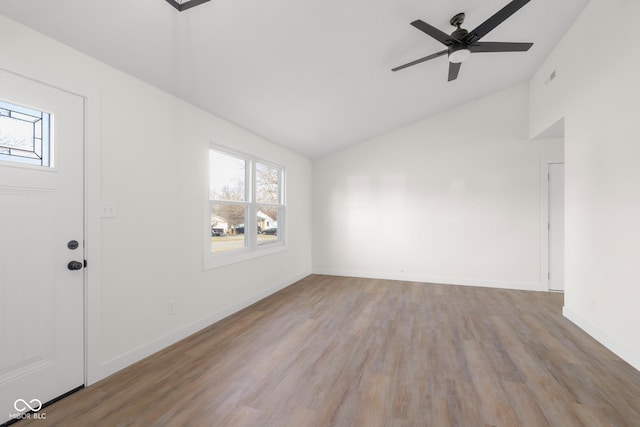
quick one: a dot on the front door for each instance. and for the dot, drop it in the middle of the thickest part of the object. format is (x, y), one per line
(41, 236)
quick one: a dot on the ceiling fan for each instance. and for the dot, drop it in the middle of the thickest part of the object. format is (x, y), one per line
(462, 43)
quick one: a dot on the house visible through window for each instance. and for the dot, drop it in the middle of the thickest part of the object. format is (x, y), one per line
(246, 205)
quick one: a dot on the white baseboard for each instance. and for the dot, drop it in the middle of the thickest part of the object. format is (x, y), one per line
(120, 362)
(521, 286)
(620, 350)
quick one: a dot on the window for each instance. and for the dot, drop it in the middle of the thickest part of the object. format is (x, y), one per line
(24, 135)
(246, 207)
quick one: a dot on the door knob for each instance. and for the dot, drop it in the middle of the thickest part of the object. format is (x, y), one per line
(75, 265)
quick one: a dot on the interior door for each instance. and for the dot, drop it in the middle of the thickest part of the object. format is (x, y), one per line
(41, 216)
(556, 226)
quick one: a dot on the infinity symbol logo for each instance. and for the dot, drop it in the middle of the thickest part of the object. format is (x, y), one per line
(21, 405)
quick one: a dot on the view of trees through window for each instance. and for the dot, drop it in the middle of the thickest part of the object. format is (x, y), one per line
(242, 188)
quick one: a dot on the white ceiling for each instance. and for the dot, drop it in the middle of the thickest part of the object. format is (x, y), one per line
(313, 76)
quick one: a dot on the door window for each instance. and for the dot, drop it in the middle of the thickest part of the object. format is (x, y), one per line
(25, 135)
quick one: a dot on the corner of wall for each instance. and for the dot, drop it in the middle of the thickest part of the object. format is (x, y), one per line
(616, 347)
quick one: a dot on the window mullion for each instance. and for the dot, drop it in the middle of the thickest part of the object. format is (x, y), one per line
(253, 210)
(280, 186)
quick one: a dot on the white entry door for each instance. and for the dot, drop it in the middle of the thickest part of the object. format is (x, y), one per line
(556, 226)
(41, 216)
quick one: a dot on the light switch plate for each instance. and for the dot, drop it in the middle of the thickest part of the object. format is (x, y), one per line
(108, 210)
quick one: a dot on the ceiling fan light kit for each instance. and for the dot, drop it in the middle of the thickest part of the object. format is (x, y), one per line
(462, 43)
(459, 56)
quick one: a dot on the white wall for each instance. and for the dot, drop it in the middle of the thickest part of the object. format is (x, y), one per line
(153, 153)
(451, 199)
(598, 94)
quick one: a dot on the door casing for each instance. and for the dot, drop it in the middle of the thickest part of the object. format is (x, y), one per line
(544, 221)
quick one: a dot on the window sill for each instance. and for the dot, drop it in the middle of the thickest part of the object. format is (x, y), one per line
(221, 260)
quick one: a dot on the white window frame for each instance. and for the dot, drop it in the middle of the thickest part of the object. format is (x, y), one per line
(252, 249)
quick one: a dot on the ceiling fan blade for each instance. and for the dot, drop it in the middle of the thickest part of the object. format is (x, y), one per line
(418, 61)
(500, 47)
(432, 31)
(454, 69)
(491, 23)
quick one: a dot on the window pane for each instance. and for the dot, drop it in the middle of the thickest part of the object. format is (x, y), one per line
(227, 181)
(24, 135)
(267, 183)
(268, 224)
(227, 227)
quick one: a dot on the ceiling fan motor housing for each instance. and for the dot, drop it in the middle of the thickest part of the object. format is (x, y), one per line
(459, 34)
(459, 52)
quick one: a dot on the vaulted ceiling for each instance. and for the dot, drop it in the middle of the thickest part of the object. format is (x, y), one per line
(313, 76)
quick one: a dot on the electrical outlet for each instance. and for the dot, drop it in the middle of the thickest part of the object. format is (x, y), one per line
(172, 307)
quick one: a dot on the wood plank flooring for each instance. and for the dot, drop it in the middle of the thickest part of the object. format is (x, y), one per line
(335, 351)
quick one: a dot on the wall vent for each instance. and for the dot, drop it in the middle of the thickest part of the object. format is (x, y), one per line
(551, 77)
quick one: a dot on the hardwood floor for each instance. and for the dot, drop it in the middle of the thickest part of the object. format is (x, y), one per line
(334, 351)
